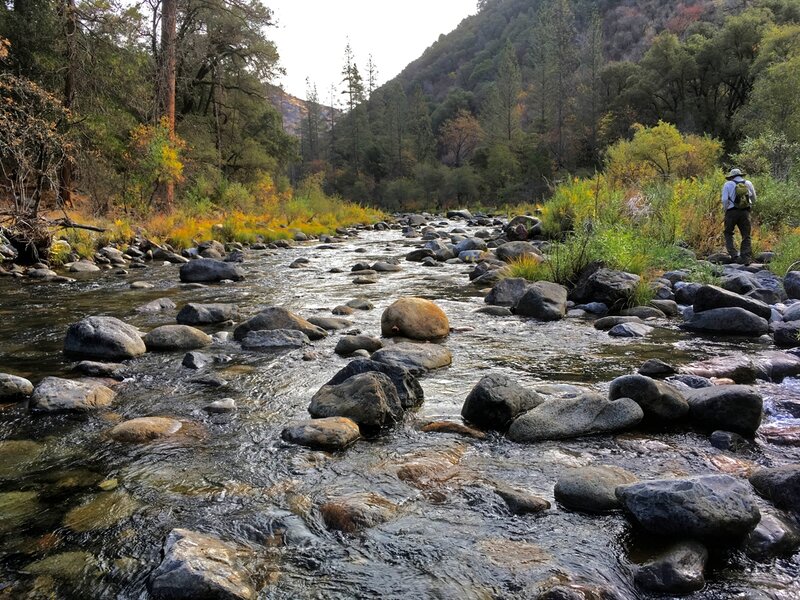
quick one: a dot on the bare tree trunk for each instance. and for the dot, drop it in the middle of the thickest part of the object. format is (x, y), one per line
(166, 86)
(70, 29)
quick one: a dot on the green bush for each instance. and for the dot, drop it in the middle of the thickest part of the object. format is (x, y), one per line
(787, 255)
(777, 204)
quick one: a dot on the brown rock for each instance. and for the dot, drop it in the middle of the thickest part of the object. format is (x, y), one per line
(145, 429)
(415, 318)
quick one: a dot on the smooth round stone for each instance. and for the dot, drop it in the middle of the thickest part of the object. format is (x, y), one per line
(102, 512)
(17, 509)
(145, 429)
(176, 337)
(13, 388)
(225, 405)
(332, 433)
(591, 489)
(17, 456)
(520, 502)
(679, 570)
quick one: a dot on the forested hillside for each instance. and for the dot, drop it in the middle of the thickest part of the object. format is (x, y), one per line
(525, 92)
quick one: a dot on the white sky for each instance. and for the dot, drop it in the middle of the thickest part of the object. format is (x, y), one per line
(312, 34)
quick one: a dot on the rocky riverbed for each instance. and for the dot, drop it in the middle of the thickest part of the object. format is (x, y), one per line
(156, 437)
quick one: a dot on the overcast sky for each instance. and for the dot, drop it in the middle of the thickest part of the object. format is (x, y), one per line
(312, 34)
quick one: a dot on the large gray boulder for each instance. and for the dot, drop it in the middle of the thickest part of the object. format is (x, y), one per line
(659, 401)
(709, 297)
(787, 335)
(779, 485)
(208, 270)
(591, 489)
(728, 321)
(511, 251)
(496, 401)
(417, 358)
(678, 570)
(369, 399)
(103, 338)
(57, 395)
(508, 292)
(207, 314)
(612, 288)
(407, 386)
(199, 566)
(586, 414)
(277, 317)
(544, 301)
(706, 507)
(734, 408)
(13, 388)
(791, 283)
(176, 337)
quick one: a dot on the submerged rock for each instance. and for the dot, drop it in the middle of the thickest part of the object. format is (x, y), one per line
(678, 570)
(101, 512)
(587, 414)
(357, 512)
(370, 399)
(277, 317)
(145, 429)
(520, 502)
(416, 319)
(417, 358)
(90, 368)
(705, 507)
(199, 566)
(176, 337)
(103, 338)
(17, 457)
(591, 489)
(18, 509)
(496, 401)
(332, 433)
(54, 395)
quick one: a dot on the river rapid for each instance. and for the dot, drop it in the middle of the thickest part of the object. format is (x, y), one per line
(233, 477)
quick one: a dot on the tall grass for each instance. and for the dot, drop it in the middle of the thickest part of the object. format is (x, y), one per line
(787, 254)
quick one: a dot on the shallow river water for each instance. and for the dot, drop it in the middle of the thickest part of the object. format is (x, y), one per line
(452, 536)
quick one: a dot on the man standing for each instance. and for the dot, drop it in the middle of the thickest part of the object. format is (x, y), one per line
(738, 195)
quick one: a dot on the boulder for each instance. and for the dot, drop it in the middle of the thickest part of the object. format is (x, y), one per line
(419, 255)
(103, 338)
(275, 339)
(350, 343)
(739, 368)
(544, 301)
(612, 288)
(207, 314)
(330, 323)
(630, 330)
(145, 429)
(176, 337)
(370, 399)
(511, 251)
(779, 485)
(208, 270)
(586, 414)
(156, 306)
(332, 433)
(356, 512)
(56, 395)
(277, 317)
(496, 401)
(196, 360)
(709, 297)
(678, 570)
(791, 283)
(685, 292)
(13, 388)
(508, 292)
(103, 370)
(408, 388)
(415, 318)
(199, 566)
(655, 367)
(787, 335)
(417, 358)
(523, 228)
(608, 323)
(83, 266)
(734, 408)
(591, 489)
(705, 507)
(643, 312)
(520, 502)
(728, 441)
(773, 536)
(730, 321)
(659, 401)
(472, 244)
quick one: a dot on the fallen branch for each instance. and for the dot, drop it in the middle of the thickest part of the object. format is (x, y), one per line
(67, 223)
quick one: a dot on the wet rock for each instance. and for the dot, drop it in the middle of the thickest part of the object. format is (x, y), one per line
(520, 502)
(740, 369)
(55, 395)
(176, 337)
(781, 433)
(453, 427)
(370, 399)
(495, 311)
(643, 312)
(787, 335)
(630, 330)
(417, 358)
(678, 570)
(591, 489)
(196, 360)
(773, 536)
(496, 401)
(656, 368)
(729, 321)
(277, 317)
(612, 288)
(145, 429)
(207, 270)
(734, 408)
(779, 485)
(207, 314)
(659, 401)
(101, 512)
(142, 285)
(577, 591)
(17, 457)
(360, 304)
(419, 255)
(668, 307)
(65, 565)
(83, 266)
(416, 319)
(275, 339)
(155, 306)
(791, 283)
(587, 414)
(408, 388)
(330, 324)
(332, 433)
(711, 296)
(356, 512)
(199, 566)
(511, 251)
(350, 343)
(705, 507)
(729, 441)
(523, 227)
(17, 509)
(508, 292)
(385, 267)
(342, 310)
(209, 380)
(544, 301)
(103, 338)
(102, 370)
(218, 407)
(608, 323)
(13, 388)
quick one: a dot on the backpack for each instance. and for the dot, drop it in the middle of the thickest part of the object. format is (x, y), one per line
(742, 197)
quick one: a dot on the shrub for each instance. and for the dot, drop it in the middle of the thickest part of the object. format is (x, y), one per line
(787, 254)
